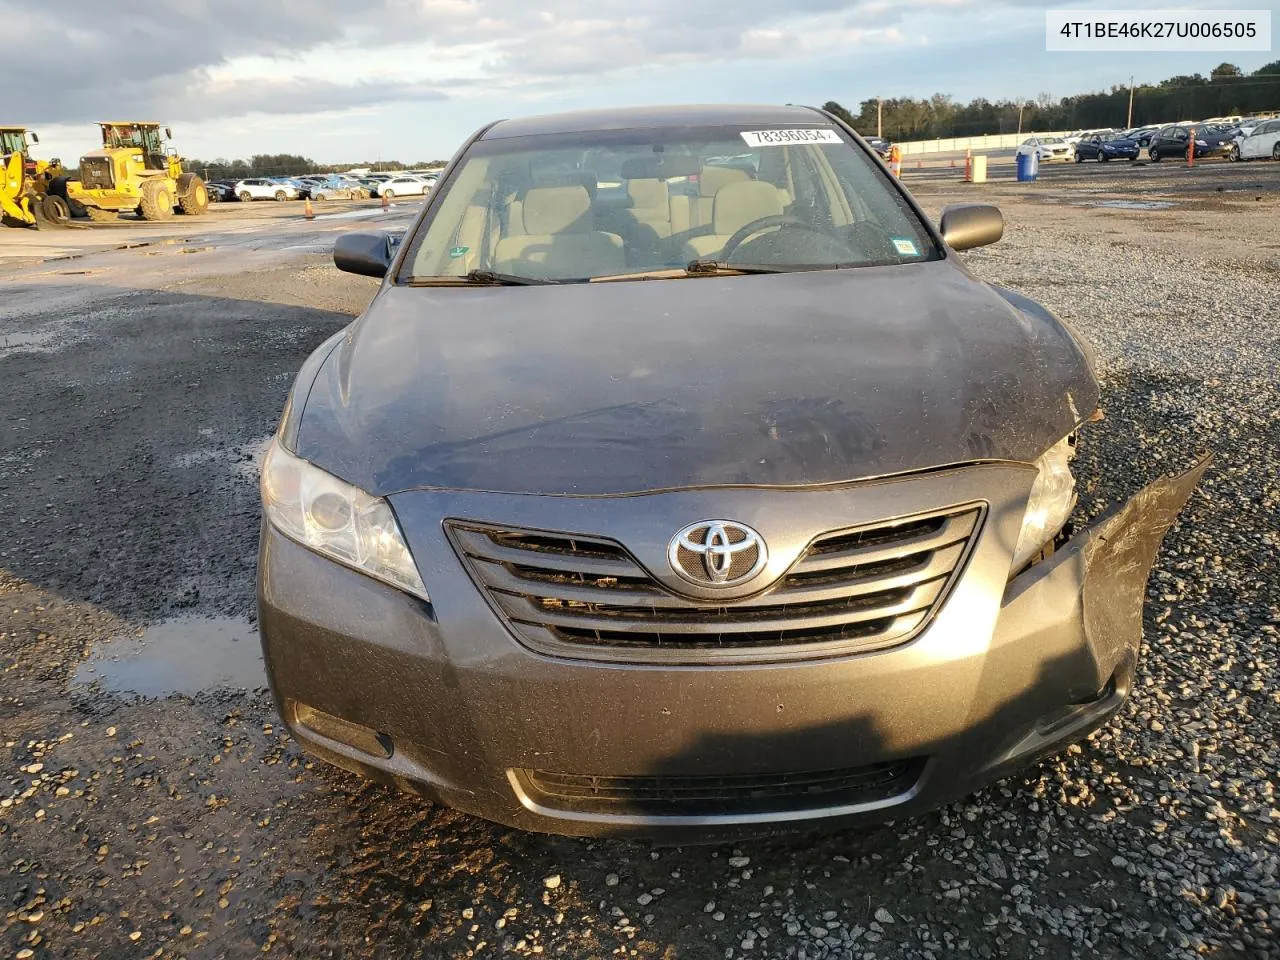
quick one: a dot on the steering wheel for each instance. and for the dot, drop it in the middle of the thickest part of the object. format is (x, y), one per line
(781, 220)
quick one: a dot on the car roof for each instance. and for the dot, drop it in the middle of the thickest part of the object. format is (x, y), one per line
(582, 121)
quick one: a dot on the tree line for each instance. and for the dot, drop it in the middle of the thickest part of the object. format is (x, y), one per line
(1226, 91)
(288, 165)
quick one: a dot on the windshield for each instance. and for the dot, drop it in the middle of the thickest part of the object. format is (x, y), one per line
(621, 203)
(12, 141)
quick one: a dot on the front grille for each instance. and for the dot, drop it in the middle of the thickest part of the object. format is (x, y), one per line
(707, 796)
(95, 173)
(851, 591)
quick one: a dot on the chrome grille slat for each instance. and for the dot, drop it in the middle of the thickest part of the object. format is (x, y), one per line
(477, 544)
(851, 590)
(698, 620)
(955, 529)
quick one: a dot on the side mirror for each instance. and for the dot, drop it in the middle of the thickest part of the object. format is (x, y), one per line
(168, 134)
(967, 225)
(34, 138)
(366, 253)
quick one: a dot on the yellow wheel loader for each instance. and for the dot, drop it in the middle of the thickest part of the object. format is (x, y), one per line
(24, 182)
(134, 171)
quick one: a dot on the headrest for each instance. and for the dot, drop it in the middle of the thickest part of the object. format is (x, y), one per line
(557, 210)
(647, 193)
(713, 178)
(740, 203)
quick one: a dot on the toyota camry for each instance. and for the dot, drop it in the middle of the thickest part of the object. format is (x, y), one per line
(723, 499)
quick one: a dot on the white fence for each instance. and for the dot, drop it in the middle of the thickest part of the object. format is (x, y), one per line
(994, 141)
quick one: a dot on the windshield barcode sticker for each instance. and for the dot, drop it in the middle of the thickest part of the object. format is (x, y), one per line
(780, 138)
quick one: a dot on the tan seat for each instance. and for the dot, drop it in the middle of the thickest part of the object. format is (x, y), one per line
(650, 206)
(559, 238)
(695, 213)
(735, 206)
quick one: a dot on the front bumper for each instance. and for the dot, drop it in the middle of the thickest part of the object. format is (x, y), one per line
(442, 700)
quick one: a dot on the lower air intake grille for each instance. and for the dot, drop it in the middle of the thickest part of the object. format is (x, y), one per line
(855, 590)
(694, 796)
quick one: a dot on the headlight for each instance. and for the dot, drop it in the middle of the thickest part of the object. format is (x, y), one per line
(337, 520)
(1053, 496)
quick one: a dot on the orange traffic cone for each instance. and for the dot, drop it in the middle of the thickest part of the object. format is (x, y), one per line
(386, 202)
(307, 211)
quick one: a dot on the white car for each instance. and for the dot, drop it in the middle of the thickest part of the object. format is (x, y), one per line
(1263, 142)
(259, 188)
(405, 187)
(1048, 148)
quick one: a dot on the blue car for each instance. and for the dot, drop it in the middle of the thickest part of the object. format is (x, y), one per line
(1106, 148)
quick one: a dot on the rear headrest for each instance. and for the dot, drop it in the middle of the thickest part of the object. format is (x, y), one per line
(647, 193)
(557, 210)
(713, 178)
(640, 168)
(740, 203)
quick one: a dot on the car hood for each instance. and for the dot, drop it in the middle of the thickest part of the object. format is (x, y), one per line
(605, 388)
(1121, 142)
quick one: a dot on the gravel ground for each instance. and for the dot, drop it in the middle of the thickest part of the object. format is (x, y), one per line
(133, 394)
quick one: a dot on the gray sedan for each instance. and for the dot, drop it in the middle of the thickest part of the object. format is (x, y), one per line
(725, 501)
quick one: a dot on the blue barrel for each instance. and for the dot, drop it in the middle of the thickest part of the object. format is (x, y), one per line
(1028, 165)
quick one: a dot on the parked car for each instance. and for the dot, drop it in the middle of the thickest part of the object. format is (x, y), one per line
(1172, 141)
(337, 190)
(879, 144)
(1048, 148)
(693, 533)
(221, 191)
(303, 187)
(260, 188)
(1248, 124)
(1262, 142)
(406, 186)
(1140, 135)
(372, 185)
(1106, 147)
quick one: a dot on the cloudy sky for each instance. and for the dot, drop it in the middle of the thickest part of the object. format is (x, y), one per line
(340, 80)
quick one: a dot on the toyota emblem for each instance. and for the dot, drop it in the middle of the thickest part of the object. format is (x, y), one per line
(717, 553)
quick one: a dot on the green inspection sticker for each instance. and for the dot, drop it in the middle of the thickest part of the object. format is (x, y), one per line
(457, 252)
(905, 246)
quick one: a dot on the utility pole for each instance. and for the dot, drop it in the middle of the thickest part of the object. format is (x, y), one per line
(1129, 123)
(1021, 103)
(879, 117)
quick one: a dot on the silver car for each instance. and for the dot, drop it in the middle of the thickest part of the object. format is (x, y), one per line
(730, 501)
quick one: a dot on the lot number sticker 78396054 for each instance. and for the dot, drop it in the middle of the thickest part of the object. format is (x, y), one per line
(781, 138)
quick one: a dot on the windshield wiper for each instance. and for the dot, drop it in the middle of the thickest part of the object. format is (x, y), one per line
(503, 279)
(714, 267)
(483, 278)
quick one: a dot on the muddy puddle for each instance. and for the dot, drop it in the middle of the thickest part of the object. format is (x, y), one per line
(188, 655)
(47, 340)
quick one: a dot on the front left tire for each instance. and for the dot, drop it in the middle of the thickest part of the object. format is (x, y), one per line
(193, 195)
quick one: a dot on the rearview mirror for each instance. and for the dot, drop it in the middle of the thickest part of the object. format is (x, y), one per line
(367, 253)
(34, 138)
(168, 134)
(967, 225)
